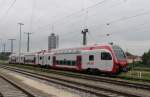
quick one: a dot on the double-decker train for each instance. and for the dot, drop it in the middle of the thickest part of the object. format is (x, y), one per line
(105, 58)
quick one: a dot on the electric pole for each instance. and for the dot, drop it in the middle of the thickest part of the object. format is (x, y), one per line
(4, 47)
(1, 45)
(28, 41)
(84, 36)
(12, 46)
(20, 24)
(57, 41)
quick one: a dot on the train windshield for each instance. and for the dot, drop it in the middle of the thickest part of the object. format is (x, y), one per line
(119, 53)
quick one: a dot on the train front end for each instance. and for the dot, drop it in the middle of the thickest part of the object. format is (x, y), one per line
(121, 59)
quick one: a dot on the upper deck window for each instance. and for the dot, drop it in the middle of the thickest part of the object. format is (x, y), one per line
(106, 56)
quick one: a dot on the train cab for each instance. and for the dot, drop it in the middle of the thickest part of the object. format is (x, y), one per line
(120, 58)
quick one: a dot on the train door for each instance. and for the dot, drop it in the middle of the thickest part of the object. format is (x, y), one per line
(49, 61)
(90, 59)
(79, 62)
(54, 61)
(106, 61)
(37, 59)
(45, 59)
(34, 59)
(41, 59)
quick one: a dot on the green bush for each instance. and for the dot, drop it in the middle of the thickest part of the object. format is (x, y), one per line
(146, 58)
(4, 55)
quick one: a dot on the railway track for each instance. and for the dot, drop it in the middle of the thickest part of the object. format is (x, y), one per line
(107, 80)
(1, 95)
(9, 88)
(103, 79)
(89, 88)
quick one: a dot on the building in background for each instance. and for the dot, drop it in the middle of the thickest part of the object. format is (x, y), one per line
(133, 58)
(53, 41)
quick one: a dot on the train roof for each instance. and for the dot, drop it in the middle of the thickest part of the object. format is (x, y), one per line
(72, 50)
(89, 47)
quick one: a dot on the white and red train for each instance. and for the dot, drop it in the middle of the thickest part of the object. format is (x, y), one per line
(104, 58)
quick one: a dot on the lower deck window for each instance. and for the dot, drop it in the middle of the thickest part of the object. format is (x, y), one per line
(66, 62)
(61, 62)
(69, 62)
(73, 62)
(57, 62)
(29, 61)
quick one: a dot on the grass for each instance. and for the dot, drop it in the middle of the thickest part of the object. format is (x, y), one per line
(2, 61)
(135, 76)
(137, 72)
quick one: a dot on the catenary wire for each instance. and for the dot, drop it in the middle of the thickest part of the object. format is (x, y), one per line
(102, 2)
(7, 11)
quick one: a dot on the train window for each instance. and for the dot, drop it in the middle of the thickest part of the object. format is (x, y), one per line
(61, 62)
(57, 62)
(49, 57)
(73, 63)
(119, 52)
(91, 57)
(34, 58)
(68, 62)
(40, 58)
(105, 56)
(64, 61)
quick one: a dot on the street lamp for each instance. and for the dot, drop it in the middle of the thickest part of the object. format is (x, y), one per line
(20, 24)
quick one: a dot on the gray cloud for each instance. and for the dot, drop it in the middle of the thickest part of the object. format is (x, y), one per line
(131, 33)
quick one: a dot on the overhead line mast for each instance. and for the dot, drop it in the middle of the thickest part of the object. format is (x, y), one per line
(84, 36)
(28, 41)
(20, 24)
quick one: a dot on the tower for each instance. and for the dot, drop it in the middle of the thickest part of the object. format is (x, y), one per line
(53, 41)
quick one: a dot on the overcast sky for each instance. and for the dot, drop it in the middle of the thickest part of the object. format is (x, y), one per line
(127, 22)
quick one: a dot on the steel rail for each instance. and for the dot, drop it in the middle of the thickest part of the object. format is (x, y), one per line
(1, 95)
(48, 78)
(103, 79)
(17, 86)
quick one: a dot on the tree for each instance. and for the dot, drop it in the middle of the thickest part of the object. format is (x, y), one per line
(4, 55)
(146, 58)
